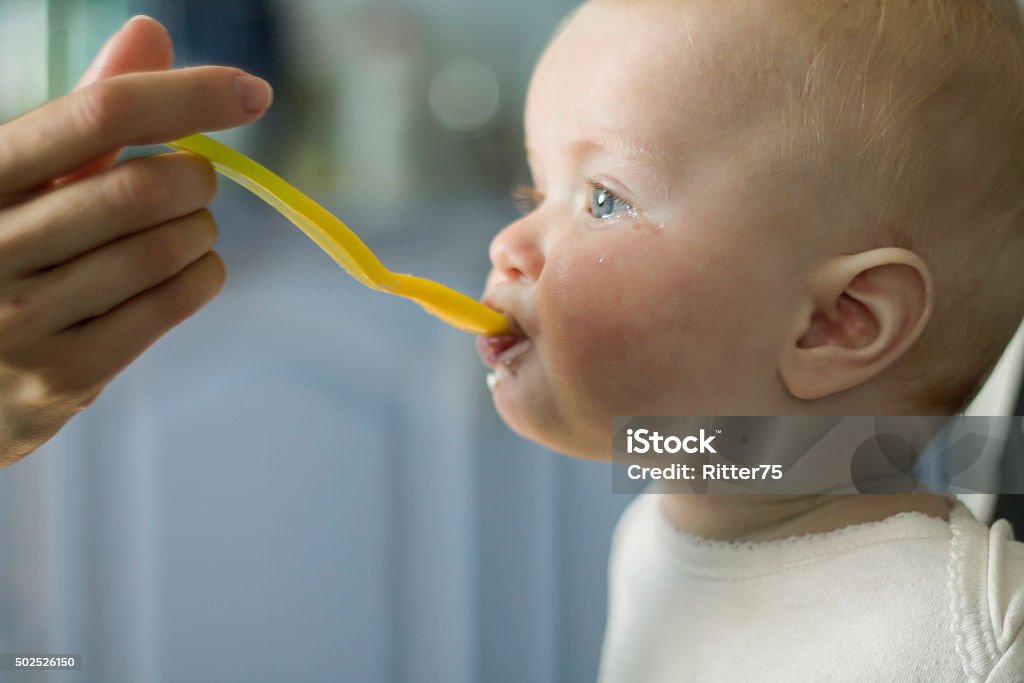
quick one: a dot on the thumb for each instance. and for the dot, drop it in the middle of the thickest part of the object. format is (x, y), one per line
(142, 44)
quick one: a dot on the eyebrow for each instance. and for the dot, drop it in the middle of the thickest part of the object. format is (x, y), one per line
(626, 147)
(631, 149)
(622, 145)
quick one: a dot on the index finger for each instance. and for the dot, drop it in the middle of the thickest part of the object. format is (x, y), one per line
(132, 109)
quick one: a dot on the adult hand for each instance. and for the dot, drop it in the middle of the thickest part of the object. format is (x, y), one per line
(97, 261)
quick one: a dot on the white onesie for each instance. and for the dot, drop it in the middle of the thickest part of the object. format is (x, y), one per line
(908, 598)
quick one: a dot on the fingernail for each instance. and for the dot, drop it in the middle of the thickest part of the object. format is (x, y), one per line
(254, 93)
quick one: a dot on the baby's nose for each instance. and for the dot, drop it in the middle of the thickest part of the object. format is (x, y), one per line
(516, 253)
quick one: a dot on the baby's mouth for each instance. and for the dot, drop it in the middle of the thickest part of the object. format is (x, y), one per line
(502, 353)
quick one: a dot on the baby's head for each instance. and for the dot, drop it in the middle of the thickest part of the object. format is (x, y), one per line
(764, 207)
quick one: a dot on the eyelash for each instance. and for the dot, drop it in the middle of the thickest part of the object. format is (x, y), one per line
(528, 198)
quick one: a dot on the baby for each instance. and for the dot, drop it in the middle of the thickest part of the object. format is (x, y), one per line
(776, 207)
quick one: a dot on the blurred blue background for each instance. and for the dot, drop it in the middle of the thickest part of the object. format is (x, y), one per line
(307, 481)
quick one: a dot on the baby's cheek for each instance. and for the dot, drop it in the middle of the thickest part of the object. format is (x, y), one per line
(614, 332)
(660, 331)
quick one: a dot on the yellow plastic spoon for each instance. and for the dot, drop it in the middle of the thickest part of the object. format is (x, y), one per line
(340, 243)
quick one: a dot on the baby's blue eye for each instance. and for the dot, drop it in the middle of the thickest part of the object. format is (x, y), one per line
(604, 203)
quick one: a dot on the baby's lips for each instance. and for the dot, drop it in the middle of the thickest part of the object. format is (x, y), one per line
(491, 347)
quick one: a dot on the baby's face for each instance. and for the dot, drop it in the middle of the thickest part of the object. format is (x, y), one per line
(649, 278)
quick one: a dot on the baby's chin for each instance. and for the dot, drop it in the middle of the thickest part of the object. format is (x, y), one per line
(536, 415)
(562, 441)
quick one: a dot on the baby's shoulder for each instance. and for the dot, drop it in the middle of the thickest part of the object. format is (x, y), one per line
(986, 574)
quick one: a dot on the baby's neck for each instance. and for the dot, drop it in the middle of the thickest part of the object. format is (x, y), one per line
(753, 517)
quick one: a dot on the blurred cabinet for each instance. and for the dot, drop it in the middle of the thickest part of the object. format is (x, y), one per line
(307, 482)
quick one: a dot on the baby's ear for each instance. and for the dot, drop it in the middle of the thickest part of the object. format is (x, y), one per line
(861, 313)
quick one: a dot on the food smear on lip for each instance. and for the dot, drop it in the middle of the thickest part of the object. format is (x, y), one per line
(492, 347)
(492, 379)
(506, 364)
(502, 353)
(503, 348)
(499, 373)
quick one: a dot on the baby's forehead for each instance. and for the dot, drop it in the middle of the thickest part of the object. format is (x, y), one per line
(830, 72)
(827, 57)
(704, 28)
(728, 40)
(655, 67)
(720, 56)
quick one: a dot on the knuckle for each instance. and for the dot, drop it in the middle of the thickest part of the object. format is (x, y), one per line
(61, 383)
(138, 186)
(99, 109)
(161, 250)
(209, 84)
(50, 384)
(193, 288)
(183, 297)
(18, 311)
(43, 380)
